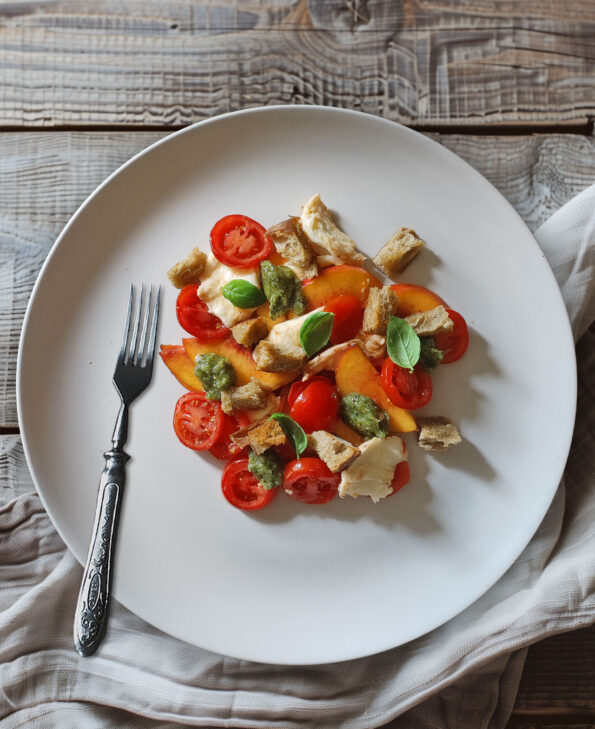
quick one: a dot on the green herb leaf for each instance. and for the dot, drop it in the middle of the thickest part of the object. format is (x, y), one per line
(243, 294)
(402, 343)
(294, 431)
(316, 331)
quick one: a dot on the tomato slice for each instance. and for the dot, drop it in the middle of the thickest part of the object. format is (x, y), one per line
(401, 478)
(454, 344)
(310, 481)
(242, 489)
(348, 319)
(240, 242)
(195, 317)
(197, 421)
(316, 405)
(224, 448)
(408, 390)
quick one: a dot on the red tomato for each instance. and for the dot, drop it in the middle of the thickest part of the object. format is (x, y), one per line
(316, 405)
(242, 489)
(224, 448)
(310, 481)
(408, 390)
(195, 318)
(348, 317)
(454, 344)
(299, 386)
(197, 421)
(401, 477)
(239, 241)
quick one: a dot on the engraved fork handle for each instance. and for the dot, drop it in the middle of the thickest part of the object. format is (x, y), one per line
(90, 619)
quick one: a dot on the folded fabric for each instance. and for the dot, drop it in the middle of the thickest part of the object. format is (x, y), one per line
(463, 674)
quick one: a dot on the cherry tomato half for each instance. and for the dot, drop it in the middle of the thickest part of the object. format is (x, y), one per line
(401, 477)
(240, 242)
(316, 405)
(224, 448)
(242, 489)
(348, 317)
(454, 344)
(408, 390)
(310, 481)
(195, 317)
(197, 421)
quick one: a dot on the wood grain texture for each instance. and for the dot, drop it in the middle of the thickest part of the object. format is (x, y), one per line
(428, 62)
(44, 177)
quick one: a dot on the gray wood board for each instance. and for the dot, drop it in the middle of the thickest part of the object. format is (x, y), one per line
(44, 177)
(428, 62)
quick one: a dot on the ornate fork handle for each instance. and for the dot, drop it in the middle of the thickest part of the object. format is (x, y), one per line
(92, 606)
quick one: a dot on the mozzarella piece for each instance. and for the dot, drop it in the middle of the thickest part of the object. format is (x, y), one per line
(331, 244)
(287, 333)
(372, 473)
(214, 276)
(329, 359)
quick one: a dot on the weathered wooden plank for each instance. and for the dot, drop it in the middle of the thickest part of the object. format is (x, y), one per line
(45, 176)
(429, 62)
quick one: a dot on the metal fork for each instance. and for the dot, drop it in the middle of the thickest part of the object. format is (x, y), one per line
(132, 375)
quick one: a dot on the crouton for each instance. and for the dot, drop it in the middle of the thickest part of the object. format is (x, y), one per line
(437, 433)
(335, 452)
(189, 270)
(380, 306)
(260, 436)
(272, 357)
(291, 244)
(397, 253)
(251, 396)
(432, 322)
(250, 332)
(330, 243)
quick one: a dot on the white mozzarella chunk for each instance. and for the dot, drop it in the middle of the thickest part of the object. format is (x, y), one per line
(372, 473)
(332, 245)
(287, 333)
(215, 275)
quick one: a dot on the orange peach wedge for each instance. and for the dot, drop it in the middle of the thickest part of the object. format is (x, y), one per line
(338, 280)
(413, 299)
(355, 373)
(180, 365)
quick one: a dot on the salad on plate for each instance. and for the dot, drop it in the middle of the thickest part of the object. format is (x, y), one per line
(303, 369)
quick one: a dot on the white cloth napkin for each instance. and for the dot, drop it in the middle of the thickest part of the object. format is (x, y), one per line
(463, 674)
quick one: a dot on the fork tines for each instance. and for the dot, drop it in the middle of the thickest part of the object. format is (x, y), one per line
(138, 348)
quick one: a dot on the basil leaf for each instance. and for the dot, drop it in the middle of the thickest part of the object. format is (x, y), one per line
(402, 343)
(243, 294)
(316, 331)
(293, 430)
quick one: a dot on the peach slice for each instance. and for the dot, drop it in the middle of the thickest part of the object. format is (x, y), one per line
(241, 359)
(355, 373)
(180, 365)
(338, 280)
(414, 299)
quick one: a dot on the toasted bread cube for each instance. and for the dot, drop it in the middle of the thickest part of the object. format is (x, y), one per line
(437, 433)
(397, 253)
(291, 244)
(380, 306)
(250, 332)
(432, 322)
(271, 357)
(251, 396)
(188, 271)
(335, 452)
(260, 436)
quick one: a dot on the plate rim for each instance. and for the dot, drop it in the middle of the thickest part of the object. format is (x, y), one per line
(555, 292)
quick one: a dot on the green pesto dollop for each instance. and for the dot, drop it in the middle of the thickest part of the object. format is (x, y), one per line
(282, 289)
(215, 372)
(429, 356)
(267, 467)
(363, 415)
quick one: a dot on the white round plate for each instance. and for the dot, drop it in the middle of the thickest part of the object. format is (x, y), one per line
(295, 584)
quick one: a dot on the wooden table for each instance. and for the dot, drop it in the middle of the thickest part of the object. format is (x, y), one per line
(508, 85)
